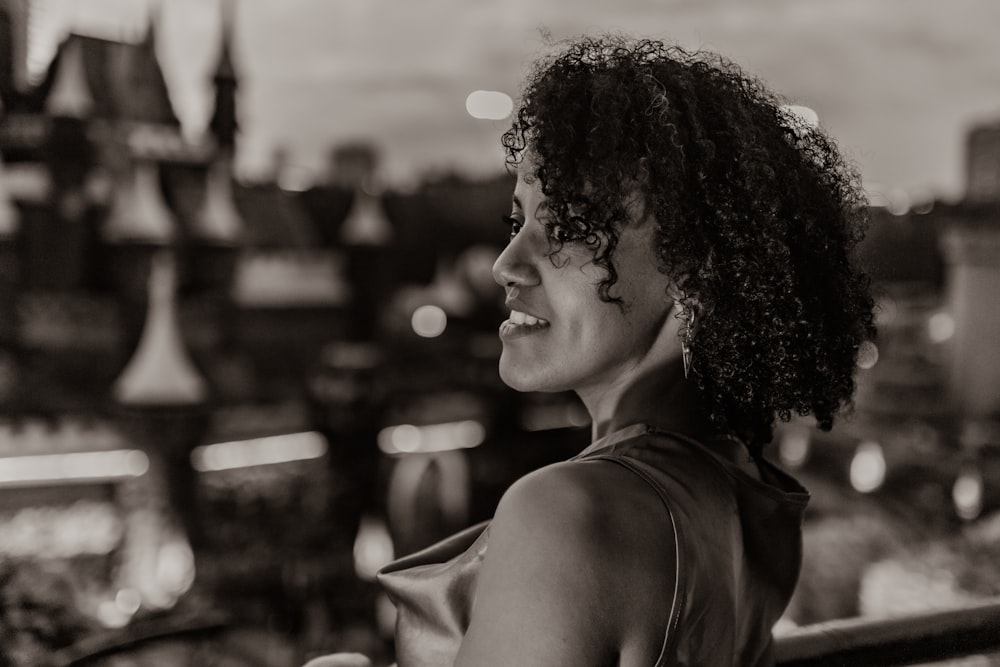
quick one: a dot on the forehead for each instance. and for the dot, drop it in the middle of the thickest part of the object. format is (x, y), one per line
(527, 189)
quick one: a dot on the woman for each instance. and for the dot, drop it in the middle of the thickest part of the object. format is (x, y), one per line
(680, 257)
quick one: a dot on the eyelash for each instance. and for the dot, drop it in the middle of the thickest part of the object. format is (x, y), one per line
(555, 232)
(514, 223)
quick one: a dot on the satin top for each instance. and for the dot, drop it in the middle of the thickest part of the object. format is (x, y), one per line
(738, 539)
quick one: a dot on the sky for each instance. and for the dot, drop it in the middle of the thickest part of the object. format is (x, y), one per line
(896, 82)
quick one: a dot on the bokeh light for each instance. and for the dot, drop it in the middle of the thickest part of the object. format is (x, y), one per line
(409, 439)
(793, 448)
(867, 355)
(372, 547)
(95, 465)
(175, 570)
(967, 495)
(111, 616)
(405, 438)
(429, 321)
(489, 104)
(805, 114)
(128, 600)
(258, 451)
(941, 327)
(868, 467)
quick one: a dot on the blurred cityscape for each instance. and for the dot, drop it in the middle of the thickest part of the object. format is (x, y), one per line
(226, 404)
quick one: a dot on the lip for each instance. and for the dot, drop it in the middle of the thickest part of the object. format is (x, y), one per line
(511, 330)
(517, 304)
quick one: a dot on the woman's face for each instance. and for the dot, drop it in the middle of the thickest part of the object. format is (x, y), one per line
(560, 335)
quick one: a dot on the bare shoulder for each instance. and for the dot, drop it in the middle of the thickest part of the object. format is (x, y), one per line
(584, 554)
(593, 504)
(594, 513)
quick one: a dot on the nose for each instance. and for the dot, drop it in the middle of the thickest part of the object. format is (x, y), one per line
(516, 265)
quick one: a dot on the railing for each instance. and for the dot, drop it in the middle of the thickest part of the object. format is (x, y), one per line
(923, 638)
(204, 633)
(857, 642)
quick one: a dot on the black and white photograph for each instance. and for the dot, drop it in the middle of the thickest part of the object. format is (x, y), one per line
(499, 333)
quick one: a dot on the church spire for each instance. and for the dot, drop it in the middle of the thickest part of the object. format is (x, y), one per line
(139, 213)
(160, 372)
(70, 95)
(218, 220)
(366, 222)
(224, 124)
(155, 11)
(150, 101)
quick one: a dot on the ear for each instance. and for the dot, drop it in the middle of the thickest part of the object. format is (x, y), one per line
(688, 312)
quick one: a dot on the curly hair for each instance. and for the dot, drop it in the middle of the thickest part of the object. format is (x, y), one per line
(757, 216)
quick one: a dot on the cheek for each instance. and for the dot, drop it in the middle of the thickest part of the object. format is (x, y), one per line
(580, 307)
(611, 331)
(595, 333)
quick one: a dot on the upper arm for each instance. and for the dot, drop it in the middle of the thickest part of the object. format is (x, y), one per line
(573, 574)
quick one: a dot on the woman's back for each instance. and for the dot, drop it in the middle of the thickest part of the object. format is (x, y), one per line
(708, 596)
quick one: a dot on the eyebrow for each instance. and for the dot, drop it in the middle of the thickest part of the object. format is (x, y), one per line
(516, 202)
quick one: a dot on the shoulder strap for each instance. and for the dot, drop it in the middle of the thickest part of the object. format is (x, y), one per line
(667, 654)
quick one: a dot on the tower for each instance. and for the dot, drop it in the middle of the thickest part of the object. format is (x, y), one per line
(14, 16)
(218, 228)
(162, 398)
(148, 100)
(139, 219)
(365, 235)
(224, 124)
(55, 245)
(982, 163)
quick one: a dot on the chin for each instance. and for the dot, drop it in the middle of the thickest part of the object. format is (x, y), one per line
(520, 379)
(515, 380)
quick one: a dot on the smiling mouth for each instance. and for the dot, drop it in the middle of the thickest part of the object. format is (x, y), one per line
(521, 324)
(524, 319)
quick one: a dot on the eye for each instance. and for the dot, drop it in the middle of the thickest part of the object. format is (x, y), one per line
(514, 222)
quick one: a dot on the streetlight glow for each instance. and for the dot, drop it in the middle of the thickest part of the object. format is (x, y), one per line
(489, 104)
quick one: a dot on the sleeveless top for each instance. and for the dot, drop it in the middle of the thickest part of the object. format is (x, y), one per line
(738, 556)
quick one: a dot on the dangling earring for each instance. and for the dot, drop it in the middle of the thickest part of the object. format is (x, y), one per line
(686, 314)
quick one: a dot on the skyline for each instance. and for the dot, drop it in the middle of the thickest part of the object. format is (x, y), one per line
(897, 83)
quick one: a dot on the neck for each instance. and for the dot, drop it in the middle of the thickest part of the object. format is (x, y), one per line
(660, 397)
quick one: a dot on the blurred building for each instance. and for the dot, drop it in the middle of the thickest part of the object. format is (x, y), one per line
(917, 461)
(261, 391)
(983, 164)
(143, 318)
(251, 391)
